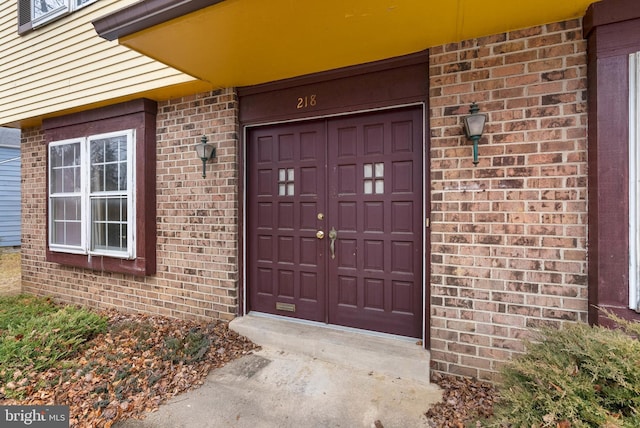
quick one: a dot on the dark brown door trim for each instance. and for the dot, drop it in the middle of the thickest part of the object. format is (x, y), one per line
(384, 84)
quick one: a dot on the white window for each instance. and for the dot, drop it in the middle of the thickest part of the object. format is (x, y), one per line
(91, 195)
(634, 181)
(45, 10)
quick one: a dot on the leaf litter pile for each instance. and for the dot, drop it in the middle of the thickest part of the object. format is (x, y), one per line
(139, 363)
(464, 401)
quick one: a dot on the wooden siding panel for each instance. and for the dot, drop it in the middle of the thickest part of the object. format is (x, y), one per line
(10, 196)
(65, 64)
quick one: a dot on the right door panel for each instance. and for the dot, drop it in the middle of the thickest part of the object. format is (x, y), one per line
(375, 206)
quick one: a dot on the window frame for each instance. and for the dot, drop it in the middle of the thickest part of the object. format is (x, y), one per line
(137, 115)
(27, 19)
(87, 243)
(52, 196)
(129, 193)
(50, 15)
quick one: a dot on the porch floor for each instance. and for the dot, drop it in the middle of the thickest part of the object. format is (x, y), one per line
(392, 356)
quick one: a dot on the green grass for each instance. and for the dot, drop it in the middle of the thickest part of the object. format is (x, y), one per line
(37, 334)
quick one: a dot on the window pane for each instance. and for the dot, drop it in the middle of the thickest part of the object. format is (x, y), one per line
(110, 150)
(97, 178)
(109, 164)
(368, 170)
(114, 210)
(108, 224)
(113, 236)
(123, 151)
(111, 177)
(380, 170)
(65, 209)
(98, 236)
(71, 154)
(123, 176)
(66, 227)
(73, 233)
(64, 162)
(56, 180)
(56, 156)
(72, 208)
(43, 7)
(68, 180)
(97, 152)
(368, 187)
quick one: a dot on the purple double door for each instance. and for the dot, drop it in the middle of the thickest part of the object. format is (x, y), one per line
(335, 220)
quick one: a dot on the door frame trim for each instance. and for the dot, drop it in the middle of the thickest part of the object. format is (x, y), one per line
(382, 85)
(245, 128)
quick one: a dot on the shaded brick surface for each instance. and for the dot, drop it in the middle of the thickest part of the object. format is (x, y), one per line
(509, 235)
(197, 218)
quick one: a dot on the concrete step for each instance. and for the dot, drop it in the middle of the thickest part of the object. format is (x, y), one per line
(391, 356)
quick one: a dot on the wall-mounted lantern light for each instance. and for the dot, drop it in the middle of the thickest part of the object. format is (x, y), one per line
(473, 127)
(205, 151)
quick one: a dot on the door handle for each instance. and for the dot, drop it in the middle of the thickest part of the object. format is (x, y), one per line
(320, 234)
(333, 234)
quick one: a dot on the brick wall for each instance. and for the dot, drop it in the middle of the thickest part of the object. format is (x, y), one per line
(197, 232)
(509, 235)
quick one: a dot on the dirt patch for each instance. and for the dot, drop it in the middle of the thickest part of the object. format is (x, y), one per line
(465, 402)
(10, 272)
(139, 363)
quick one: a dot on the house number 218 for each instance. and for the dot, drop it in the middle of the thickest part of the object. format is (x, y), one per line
(306, 101)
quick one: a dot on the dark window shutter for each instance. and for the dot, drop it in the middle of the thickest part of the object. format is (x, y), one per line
(24, 16)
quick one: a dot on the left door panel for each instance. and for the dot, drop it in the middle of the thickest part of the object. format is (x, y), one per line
(286, 186)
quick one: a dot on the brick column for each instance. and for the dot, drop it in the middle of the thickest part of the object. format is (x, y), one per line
(509, 235)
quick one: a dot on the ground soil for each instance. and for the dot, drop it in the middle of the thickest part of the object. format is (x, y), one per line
(139, 363)
(465, 402)
(10, 272)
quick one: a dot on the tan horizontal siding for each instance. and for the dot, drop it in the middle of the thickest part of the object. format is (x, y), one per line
(65, 64)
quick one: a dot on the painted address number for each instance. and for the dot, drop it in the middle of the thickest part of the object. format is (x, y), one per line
(306, 101)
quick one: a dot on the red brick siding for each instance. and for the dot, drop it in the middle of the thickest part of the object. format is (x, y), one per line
(197, 221)
(509, 235)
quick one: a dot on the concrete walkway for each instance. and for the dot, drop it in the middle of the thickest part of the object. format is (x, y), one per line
(277, 389)
(282, 388)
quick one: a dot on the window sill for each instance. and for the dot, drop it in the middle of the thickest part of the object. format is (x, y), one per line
(137, 267)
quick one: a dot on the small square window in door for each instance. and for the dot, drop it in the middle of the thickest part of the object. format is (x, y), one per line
(374, 178)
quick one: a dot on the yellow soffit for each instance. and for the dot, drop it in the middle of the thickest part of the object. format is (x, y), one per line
(247, 42)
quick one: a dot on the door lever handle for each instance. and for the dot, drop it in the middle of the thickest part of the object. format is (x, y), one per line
(333, 234)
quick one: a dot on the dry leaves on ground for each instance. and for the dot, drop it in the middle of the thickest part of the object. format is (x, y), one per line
(464, 400)
(139, 363)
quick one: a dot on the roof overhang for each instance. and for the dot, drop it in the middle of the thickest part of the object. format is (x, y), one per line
(247, 42)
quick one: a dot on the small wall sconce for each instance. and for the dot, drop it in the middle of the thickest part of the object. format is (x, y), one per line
(205, 151)
(473, 127)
